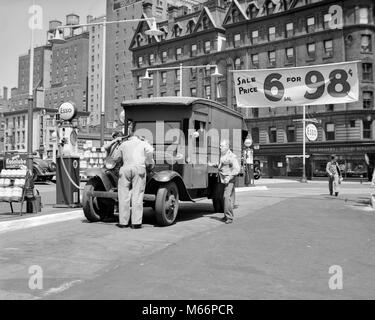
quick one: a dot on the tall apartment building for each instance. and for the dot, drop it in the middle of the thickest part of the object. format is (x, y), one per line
(4, 104)
(69, 71)
(119, 82)
(95, 70)
(268, 34)
(42, 78)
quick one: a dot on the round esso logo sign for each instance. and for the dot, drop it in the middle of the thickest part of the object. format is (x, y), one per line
(67, 111)
(311, 132)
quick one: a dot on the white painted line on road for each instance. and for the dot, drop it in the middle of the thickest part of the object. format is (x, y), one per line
(7, 226)
(256, 188)
(63, 287)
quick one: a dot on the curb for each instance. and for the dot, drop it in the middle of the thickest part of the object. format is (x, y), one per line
(255, 188)
(13, 225)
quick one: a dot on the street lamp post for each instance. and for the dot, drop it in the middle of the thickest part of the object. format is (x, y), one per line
(59, 40)
(181, 67)
(30, 182)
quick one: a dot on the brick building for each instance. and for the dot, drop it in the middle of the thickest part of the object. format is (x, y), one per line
(268, 34)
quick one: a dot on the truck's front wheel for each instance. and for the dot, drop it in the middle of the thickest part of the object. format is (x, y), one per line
(96, 209)
(166, 204)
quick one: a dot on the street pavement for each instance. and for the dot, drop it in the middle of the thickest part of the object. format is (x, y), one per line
(281, 246)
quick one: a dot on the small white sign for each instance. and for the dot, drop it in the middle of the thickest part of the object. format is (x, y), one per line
(311, 132)
(67, 111)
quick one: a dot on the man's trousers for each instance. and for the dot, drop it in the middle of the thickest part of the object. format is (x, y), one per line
(131, 187)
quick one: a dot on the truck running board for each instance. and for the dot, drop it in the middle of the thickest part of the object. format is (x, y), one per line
(114, 195)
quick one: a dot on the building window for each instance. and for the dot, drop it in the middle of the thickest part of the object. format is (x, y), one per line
(255, 134)
(290, 134)
(367, 71)
(140, 62)
(310, 24)
(363, 15)
(271, 33)
(207, 89)
(327, 19)
(152, 59)
(164, 56)
(289, 30)
(177, 93)
(255, 112)
(139, 81)
(237, 64)
(366, 43)
(193, 51)
(178, 53)
(151, 81)
(255, 59)
(193, 92)
(311, 50)
(352, 123)
(330, 107)
(254, 36)
(289, 52)
(163, 75)
(367, 130)
(207, 47)
(368, 100)
(178, 74)
(328, 48)
(273, 135)
(193, 73)
(237, 40)
(150, 95)
(272, 57)
(330, 131)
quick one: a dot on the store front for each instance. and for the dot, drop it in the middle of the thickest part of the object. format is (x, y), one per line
(286, 160)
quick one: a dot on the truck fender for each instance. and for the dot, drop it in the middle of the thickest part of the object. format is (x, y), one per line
(94, 173)
(167, 176)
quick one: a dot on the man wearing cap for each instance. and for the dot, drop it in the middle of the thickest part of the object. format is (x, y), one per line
(334, 174)
(229, 168)
(136, 155)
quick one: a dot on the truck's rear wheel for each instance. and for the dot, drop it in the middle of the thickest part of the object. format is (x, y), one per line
(96, 209)
(218, 198)
(166, 204)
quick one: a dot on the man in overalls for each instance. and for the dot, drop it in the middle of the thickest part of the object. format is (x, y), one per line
(229, 168)
(136, 155)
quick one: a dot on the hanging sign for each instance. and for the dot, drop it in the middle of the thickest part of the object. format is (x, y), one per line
(309, 85)
(311, 132)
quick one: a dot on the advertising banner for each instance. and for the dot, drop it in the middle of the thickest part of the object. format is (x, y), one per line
(14, 160)
(309, 85)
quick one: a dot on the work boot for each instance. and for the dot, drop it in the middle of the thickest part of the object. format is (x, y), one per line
(336, 194)
(122, 225)
(136, 226)
(223, 219)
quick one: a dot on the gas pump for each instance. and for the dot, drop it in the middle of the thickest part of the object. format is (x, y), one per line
(248, 159)
(67, 160)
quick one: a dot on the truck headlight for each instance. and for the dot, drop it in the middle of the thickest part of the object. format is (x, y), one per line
(110, 163)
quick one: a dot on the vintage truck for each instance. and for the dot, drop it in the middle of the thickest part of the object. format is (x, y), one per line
(185, 133)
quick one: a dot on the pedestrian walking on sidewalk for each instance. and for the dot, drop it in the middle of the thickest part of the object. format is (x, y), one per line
(136, 154)
(229, 168)
(334, 176)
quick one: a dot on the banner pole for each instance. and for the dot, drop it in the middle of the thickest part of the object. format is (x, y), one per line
(304, 180)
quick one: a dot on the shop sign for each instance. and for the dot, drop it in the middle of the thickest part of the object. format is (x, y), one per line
(311, 132)
(332, 150)
(308, 85)
(15, 161)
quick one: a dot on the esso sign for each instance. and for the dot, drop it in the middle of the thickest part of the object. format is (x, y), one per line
(67, 111)
(248, 142)
(311, 132)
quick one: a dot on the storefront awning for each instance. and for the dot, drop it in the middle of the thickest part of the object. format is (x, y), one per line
(297, 156)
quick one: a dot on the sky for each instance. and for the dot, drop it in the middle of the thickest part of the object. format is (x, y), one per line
(15, 33)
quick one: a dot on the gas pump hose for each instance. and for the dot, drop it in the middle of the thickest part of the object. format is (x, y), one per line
(66, 171)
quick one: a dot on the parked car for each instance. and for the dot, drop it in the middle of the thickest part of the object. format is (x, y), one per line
(43, 169)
